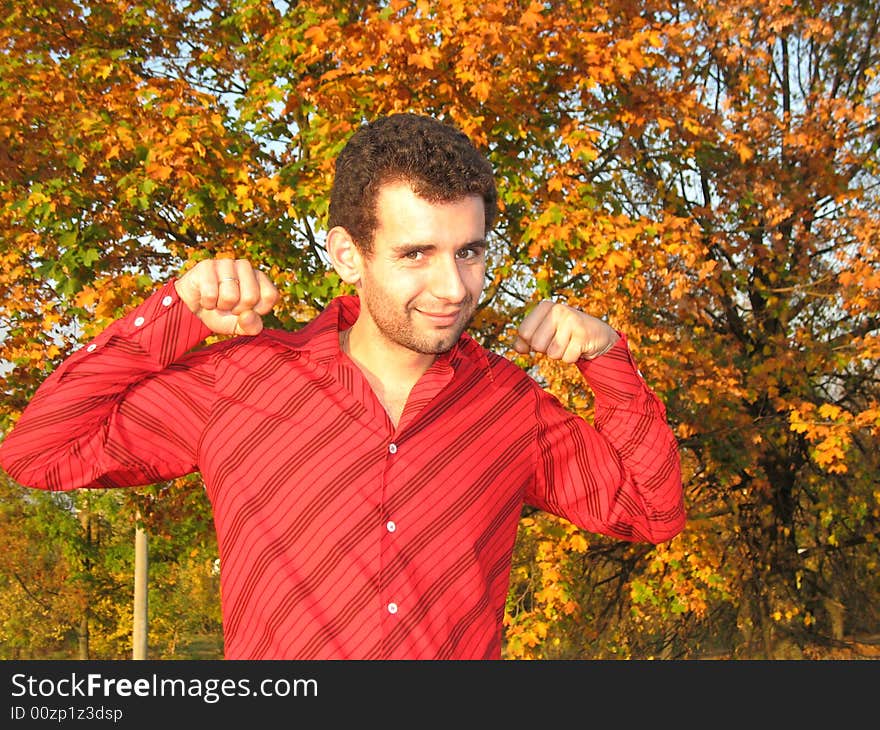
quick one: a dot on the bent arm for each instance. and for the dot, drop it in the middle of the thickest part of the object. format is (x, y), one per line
(620, 476)
(125, 410)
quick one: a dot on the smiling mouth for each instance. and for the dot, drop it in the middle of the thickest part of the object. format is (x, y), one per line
(441, 318)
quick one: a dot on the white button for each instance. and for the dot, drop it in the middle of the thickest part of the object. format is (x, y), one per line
(167, 300)
(392, 448)
(92, 347)
(392, 608)
(390, 526)
(139, 321)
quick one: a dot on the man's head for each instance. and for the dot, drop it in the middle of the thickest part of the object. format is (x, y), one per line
(438, 162)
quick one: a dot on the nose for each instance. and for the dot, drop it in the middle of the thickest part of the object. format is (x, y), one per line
(446, 279)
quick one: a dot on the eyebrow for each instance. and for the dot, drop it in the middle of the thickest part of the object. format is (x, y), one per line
(406, 248)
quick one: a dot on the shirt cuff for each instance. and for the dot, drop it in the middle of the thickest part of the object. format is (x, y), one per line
(162, 325)
(613, 375)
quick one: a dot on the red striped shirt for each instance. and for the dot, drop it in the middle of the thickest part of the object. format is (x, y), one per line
(341, 536)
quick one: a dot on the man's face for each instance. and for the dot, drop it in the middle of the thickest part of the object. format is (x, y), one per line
(422, 281)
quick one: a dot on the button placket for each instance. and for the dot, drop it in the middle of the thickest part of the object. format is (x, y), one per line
(391, 527)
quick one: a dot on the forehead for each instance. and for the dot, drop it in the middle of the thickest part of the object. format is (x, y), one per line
(404, 217)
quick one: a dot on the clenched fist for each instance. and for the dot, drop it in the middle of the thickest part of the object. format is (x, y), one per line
(228, 295)
(563, 333)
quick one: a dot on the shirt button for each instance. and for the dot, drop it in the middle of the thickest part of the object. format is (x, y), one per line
(167, 300)
(91, 348)
(390, 526)
(392, 608)
(392, 448)
(139, 321)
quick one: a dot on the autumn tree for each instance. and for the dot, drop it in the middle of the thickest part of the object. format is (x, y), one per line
(770, 164)
(36, 601)
(743, 170)
(104, 174)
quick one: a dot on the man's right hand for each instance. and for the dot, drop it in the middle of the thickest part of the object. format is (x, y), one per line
(228, 295)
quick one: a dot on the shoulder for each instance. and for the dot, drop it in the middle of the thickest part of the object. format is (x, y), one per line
(317, 337)
(269, 339)
(503, 372)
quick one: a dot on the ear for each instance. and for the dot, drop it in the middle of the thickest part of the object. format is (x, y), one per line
(344, 255)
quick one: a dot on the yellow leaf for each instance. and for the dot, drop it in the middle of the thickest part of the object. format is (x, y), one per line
(424, 59)
(829, 410)
(316, 35)
(579, 543)
(617, 260)
(284, 196)
(531, 17)
(744, 151)
(481, 89)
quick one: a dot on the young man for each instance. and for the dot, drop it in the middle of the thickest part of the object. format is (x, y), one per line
(367, 472)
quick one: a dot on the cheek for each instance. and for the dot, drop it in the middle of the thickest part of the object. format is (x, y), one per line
(406, 282)
(396, 286)
(473, 278)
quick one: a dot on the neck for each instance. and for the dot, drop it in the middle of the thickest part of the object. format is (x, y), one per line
(384, 359)
(391, 370)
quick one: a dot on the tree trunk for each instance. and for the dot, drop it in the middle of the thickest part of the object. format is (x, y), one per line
(82, 635)
(139, 638)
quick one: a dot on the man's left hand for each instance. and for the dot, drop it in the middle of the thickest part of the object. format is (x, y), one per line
(563, 333)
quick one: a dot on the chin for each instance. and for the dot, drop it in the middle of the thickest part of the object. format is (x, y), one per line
(437, 347)
(444, 346)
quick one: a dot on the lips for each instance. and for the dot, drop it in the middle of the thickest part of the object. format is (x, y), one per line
(441, 318)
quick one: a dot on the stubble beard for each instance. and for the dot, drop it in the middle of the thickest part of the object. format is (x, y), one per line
(401, 329)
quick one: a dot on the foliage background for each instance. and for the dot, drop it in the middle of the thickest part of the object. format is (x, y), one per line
(701, 174)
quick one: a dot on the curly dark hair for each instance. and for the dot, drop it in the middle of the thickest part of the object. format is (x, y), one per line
(439, 161)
